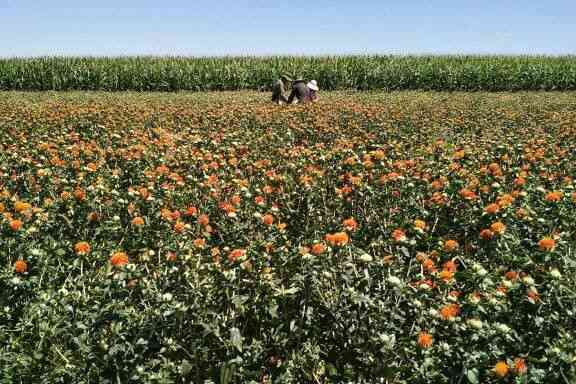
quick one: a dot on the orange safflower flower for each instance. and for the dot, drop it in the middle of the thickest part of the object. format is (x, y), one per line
(119, 259)
(144, 193)
(174, 215)
(438, 198)
(449, 311)
(437, 185)
(92, 167)
(137, 221)
(338, 238)
(498, 227)
(533, 294)
(519, 181)
(199, 243)
(350, 224)
(467, 194)
(16, 225)
(421, 257)
(420, 224)
(399, 235)
(166, 214)
(502, 289)
(318, 249)
(179, 227)
(171, 256)
(425, 340)
(368, 164)
(505, 200)
(2, 207)
(82, 248)
(450, 266)
(421, 283)
(520, 366)
(450, 246)
(492, 208)
(21, 206)
(547, 244)
(429, 265)
(501, 369)
(203, 219)
(259, 200)
(446, 276)
(553, 197)
(236, 254)
(393, 176)
(493, 167)
(20, 266)
(378, 154)
(92, 217)
(486, 234)
(190, 211)
(511, 275)
(227, 207)
(79, 194)
(236, 200)
(268, 219)
(459, 154)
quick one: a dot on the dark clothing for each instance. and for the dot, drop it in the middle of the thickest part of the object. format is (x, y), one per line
(300, 91)
(313, 95)
(278, 92)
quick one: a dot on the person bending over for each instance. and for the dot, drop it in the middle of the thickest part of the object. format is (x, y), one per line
(279, 90)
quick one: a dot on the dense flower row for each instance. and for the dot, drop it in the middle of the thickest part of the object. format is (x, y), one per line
(407, 237)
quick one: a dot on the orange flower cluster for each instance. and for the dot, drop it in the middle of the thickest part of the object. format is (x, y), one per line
(236, 254)
(547, 244)
(337, 239)
(350, 224)
(119, 259)
(399, 235)
(82, 248)
(450, 311)
(450, 246)
(425, 340)
(20, 266)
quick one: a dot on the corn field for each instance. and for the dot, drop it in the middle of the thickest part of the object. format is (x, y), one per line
(451, 73)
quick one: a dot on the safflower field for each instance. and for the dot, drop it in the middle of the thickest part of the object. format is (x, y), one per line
(409, 237)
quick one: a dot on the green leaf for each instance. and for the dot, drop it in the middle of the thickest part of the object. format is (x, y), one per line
(186, 367)
(236, 338)
(472, 375)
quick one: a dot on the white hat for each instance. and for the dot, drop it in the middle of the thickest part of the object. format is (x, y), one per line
(313, 85)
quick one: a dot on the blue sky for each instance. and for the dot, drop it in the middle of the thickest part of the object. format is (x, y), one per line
(231, 27)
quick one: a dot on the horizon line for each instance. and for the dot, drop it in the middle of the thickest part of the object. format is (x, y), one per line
(284, 55)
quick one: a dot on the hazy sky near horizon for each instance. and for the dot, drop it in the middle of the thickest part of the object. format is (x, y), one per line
(258, 27)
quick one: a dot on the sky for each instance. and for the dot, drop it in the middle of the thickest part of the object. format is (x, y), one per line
(301, 27)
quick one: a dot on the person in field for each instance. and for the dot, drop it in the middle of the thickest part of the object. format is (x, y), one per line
(279, 90)
(303, 92)
(313, 87)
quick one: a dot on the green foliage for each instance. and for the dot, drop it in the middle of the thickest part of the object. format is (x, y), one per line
(450, 73)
